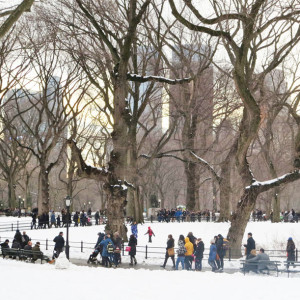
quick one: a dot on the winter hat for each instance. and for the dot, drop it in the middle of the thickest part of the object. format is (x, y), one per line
(212, 241)
(290, 239)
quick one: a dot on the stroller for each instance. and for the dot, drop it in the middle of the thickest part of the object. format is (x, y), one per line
(93, 257)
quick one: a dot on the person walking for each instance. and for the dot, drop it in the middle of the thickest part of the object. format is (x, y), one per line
(220, 251)
(132, 244)
(188, 254)
(107, 250)
(212, 255)
(180, 252)
(290, 249)
(199, 254)
(59, 245)
(134, 229)
(170, 251)
(250, 245)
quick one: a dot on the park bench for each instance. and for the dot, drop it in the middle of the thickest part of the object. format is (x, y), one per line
(291, 267)
(271, 266)
(26, 255)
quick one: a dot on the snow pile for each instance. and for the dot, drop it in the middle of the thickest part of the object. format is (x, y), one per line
(62, 262)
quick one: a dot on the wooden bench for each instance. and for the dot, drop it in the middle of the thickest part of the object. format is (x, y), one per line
(26, 255)
(271, 266)
(291, 267)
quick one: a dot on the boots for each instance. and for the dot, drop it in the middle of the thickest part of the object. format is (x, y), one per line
(131, 264)
(135, 262)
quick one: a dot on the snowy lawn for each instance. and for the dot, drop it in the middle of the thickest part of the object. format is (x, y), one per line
(44, 281)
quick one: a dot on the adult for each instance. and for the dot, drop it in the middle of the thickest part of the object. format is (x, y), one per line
(199, 254)
(97, 217)
(170, 251)
(36, 253)
(250, 244)
(251, 266)
(180, 252)
(5, 245)
(18, 237)
(132, 244)
(53, 219)
(212, 255)
(59, 244)
(28, 247)
(75, 219)
(261, 259)
(134, 229)
(290, 249)
(220, 251)
(33, 221)
(25, 239)
(107, 256)
(192, 239)
(188, 254)
(117, 240)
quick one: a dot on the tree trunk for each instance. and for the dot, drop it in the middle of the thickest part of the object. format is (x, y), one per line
(276, 206)
(11, 195)
(43, 194)
(191, 192)
(239, 221)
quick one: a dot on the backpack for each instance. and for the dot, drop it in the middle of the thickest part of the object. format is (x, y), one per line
(225, 244)
(110, 248)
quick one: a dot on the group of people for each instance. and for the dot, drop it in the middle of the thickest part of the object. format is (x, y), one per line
(183, 215)
(190, 249)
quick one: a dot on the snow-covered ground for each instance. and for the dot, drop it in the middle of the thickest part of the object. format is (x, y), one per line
(80, 281)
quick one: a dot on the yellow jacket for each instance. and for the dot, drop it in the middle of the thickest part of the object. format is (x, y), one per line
(189, 247)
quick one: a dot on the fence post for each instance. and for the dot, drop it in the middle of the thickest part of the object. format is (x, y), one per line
(296, 254)
(81, 246)
(46, 244)
(122, 249)
(229, 253)
(146, 251)
(17, 224)
(12, 226)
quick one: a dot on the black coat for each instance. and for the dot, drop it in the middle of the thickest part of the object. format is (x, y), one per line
(219, 245)
(199, 250)
(25, 240)
(59, 242)
(250, 245)
(170, 243)
(132, 243)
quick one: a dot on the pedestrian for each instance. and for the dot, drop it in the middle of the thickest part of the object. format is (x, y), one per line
(290, 249)
(107, 251)
(75, 219)
(188, 254)
(59, 245)
(220, 251)
(58, 221)
(170, 251)
(53, 219)
(250, 245)
(97, 217)
(150, 233)
(180, 252)
(212, 255)
(33, 221)
(199, 254)
(132, 244)
(117, 240)
(134, 229)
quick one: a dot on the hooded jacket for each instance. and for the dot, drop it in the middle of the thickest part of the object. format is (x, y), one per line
(189, 247)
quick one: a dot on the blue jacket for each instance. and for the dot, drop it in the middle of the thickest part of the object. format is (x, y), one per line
(104, 243)
(212, 252)
(53, 218)
(134, 230)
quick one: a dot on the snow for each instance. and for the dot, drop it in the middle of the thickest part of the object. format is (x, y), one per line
(88, 282)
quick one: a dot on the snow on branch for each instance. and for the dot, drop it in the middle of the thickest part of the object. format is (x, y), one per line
(139, 78)
(264, 186)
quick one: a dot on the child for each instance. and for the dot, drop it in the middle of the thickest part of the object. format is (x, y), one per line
(150, 232)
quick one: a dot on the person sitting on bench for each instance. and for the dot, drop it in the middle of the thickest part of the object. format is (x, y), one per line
(261, 259)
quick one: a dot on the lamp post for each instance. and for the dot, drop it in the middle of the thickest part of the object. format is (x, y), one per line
(68, 204)
(19, 216)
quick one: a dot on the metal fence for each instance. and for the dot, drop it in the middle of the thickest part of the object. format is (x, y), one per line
(146, 251)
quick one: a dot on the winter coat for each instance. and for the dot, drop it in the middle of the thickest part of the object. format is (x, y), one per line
(134, 230)
(104, 244)
(219, 245)
(59, 242)
(170, 243)
(36, 248)
(150, 232)
(260, 258)
(4, 246)
(212, 252)
(117, 242)
(290, 249)
(132, 243)
(25, 240)
(53, 218)
(189, 247)
(18, 237)
(100, 239)
(28, 248)
(250, 245)
(199, 250)
(181, 249)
